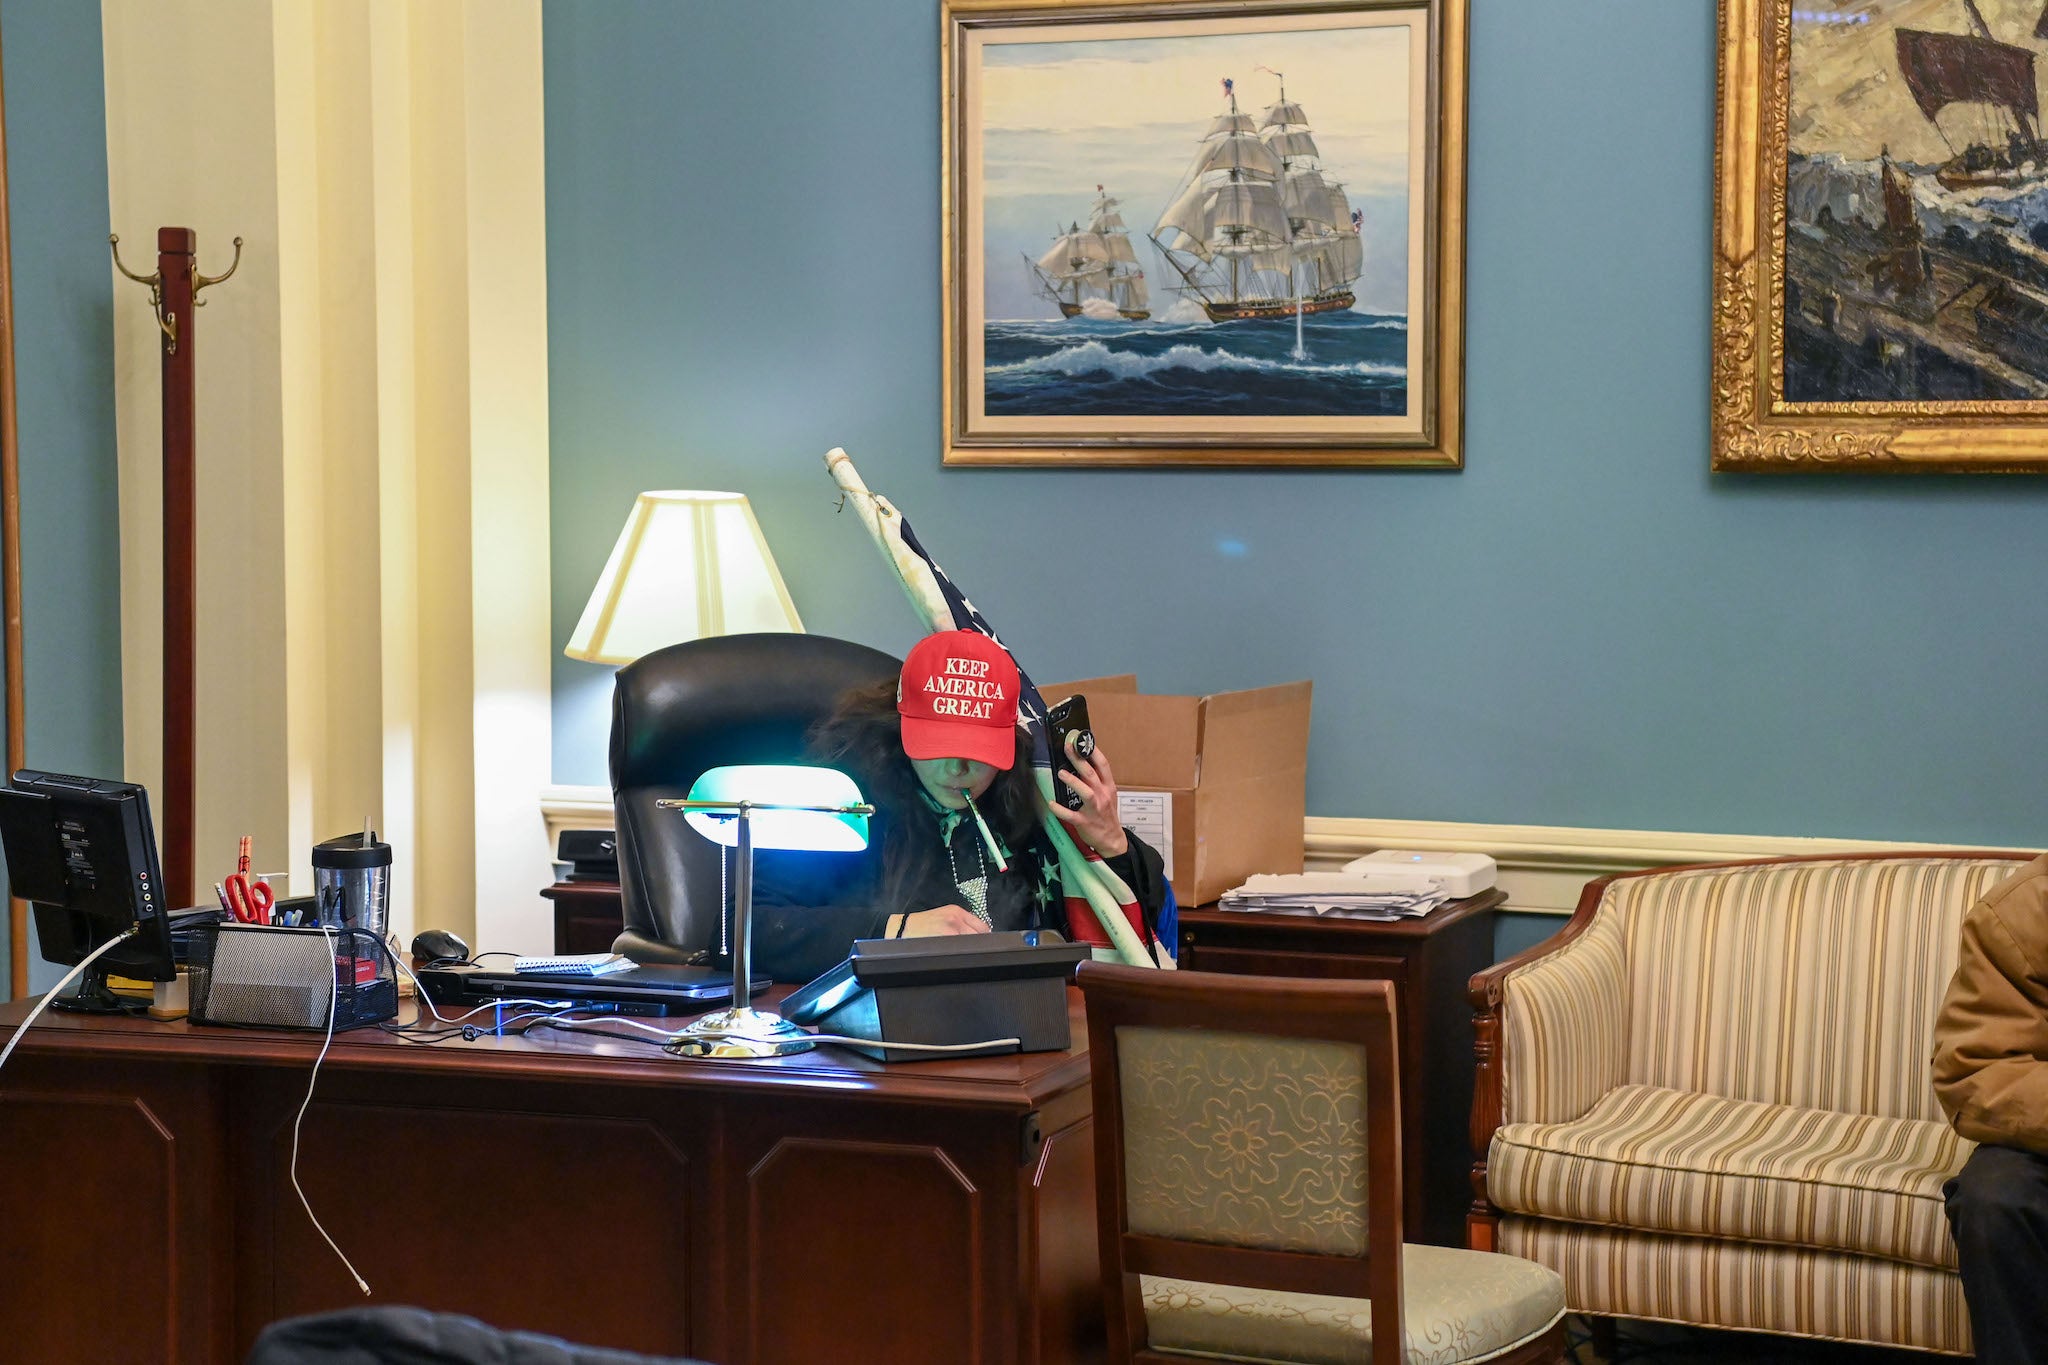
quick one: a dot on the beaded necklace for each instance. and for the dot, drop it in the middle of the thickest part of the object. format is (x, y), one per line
(974, 889)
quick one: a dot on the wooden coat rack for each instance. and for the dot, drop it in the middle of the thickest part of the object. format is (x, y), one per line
(10, 563)
(174, 294)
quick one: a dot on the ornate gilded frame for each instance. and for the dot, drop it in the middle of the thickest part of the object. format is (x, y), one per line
(1437, 391)
(1753, 427)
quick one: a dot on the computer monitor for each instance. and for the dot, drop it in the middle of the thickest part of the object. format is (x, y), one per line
(82, 851)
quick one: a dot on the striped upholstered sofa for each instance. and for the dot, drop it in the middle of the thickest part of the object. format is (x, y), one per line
(1707, 1098)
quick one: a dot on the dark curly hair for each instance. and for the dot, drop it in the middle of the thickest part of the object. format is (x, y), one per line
(864, 736)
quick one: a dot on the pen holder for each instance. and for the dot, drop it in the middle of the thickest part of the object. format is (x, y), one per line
(263, 976)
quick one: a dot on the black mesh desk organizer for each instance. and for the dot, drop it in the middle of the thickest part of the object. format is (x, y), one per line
(260, 976)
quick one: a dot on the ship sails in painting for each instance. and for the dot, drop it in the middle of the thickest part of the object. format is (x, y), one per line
(1259, 230)
(1916, 197)
(1092, 271)
(1993, 82)
(1274, 308)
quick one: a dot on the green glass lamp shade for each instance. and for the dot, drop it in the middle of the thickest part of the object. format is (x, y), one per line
(766, 786)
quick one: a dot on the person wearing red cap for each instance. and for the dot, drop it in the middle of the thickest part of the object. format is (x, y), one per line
(957, 845)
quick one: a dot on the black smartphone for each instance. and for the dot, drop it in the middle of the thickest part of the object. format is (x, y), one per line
(1070, 717)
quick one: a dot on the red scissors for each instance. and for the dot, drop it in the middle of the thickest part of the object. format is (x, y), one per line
(250, 901)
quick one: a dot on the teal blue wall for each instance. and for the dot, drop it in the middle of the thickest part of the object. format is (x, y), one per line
(1582, 628)
(64, 354)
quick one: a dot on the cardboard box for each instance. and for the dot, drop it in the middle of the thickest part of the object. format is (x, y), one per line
(1233, 767)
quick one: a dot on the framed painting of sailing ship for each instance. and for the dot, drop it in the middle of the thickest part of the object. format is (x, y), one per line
(1204, 233)
(1881, 237)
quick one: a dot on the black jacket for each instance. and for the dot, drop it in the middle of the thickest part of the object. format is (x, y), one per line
(414, 1336)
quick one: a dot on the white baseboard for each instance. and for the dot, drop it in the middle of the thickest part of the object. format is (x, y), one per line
(1542, 867)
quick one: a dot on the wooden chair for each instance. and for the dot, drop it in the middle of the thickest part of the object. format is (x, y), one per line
(1248, 1184)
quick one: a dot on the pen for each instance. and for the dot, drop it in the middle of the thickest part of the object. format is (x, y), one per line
(222, 892)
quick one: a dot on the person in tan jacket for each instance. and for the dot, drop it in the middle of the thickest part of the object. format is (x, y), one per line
(1991, 1076)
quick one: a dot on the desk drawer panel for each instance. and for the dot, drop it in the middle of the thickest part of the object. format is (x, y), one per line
(1203, 957)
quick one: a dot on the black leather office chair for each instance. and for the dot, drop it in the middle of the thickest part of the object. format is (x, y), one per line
(682, 710)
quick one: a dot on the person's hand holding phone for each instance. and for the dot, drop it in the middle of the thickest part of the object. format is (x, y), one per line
(1087, 775)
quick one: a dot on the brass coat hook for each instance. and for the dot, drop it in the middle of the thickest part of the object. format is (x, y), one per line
(167, 322)
(200, 281)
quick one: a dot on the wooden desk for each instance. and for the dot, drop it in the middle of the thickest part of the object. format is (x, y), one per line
(1429, 960)
(588, 916)
(814, 1208)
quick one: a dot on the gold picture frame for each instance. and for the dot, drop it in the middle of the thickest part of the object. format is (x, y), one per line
(1869, 312)
(1233, 324)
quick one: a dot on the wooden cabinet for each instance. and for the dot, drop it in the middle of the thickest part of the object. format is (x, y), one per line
(588, 916)
(1429, 960)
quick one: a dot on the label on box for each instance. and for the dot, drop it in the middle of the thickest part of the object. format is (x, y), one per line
(1149, 815)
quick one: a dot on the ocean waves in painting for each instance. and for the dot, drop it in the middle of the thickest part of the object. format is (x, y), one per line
(1346, 364)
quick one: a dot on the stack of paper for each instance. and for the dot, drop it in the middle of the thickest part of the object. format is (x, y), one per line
(1365, 897)
(578, 964)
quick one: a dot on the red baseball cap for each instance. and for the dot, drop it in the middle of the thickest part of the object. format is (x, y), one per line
(958, 699)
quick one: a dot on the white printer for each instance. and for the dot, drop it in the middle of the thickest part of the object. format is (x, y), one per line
(1462, 874)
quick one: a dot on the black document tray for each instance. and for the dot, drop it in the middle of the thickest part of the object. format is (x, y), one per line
(955, 988)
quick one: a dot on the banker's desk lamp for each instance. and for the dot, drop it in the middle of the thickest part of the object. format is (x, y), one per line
(766, 805)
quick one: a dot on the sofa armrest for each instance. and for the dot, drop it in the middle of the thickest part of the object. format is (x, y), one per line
(1549, 1031)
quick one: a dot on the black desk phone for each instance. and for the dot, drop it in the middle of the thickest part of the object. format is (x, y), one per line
(954, 988)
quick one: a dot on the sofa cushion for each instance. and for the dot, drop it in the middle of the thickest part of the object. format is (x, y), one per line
(1458, 1307)
(1679, 1162)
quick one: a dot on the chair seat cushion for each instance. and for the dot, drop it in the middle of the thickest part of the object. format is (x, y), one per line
(1674, 1161)
(1458, 1307)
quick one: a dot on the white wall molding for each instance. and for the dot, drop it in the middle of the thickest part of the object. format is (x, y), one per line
(575, 808)
(1542, 867)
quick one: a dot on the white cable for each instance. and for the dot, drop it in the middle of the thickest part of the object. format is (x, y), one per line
(333, 1004)
(914, 1047)
(427, 1003)
(563, 1021)
(543, 1006)
(58, 989)
(563, 1014)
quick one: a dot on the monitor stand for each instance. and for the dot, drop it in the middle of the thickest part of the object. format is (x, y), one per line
(94, 996)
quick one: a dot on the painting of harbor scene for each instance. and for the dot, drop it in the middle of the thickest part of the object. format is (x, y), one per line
(1187, 230)
(1916, 198)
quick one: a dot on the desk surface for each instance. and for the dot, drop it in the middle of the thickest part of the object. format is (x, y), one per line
(1019, 1081)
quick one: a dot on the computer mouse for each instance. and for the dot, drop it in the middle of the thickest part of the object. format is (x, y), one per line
(439, 945)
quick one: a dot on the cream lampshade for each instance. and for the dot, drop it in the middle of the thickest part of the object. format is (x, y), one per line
(688, 565)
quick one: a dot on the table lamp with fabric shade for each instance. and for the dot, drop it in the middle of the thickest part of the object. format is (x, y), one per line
(765, 805)
(688, 565)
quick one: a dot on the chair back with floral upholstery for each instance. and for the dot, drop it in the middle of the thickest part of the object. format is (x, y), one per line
(1247, 1133)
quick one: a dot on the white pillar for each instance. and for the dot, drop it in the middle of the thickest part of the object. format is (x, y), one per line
(372, 386)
